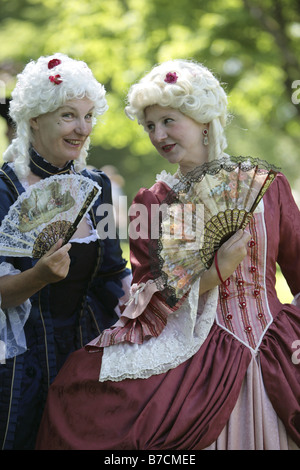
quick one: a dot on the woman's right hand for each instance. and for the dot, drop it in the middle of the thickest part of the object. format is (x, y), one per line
(54, 265)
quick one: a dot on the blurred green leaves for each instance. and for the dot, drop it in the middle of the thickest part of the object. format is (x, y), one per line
(251, 45)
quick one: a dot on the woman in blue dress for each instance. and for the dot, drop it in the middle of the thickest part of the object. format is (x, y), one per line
(54, 305)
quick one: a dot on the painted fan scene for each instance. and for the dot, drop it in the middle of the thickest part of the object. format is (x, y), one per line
(48, 211)
(169, 324)
(43, 206)
(205, 214)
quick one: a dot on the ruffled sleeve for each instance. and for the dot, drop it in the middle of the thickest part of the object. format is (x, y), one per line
(12, 321)
(152, 337)
(146, 312)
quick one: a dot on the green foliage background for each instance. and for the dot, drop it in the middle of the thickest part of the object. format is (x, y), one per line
(253, 46)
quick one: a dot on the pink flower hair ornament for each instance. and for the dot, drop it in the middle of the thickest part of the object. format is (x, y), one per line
(55, 79)
(171, 77)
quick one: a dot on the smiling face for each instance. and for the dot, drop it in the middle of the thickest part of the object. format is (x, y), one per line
(176, 137)
(60, 135)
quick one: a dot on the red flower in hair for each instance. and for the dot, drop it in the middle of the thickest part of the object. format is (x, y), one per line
(171, 77)
(53, 63)
(55, 79)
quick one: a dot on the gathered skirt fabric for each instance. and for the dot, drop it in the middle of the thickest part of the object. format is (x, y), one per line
(178, 410)
(253, 423)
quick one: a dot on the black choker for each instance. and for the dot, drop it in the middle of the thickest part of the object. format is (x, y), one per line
(44, 169)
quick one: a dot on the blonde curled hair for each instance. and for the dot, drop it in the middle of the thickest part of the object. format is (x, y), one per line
(195, 92)
(35, 94)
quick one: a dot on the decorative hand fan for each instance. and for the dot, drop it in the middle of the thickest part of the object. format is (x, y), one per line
(49, 210)
(205, 209)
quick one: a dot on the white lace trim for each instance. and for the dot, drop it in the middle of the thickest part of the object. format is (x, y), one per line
(167, 178)
(93, 233)
(12, 321)
(185, 332)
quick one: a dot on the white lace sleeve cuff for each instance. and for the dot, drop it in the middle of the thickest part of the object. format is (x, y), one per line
(183, 335)
(12, 320)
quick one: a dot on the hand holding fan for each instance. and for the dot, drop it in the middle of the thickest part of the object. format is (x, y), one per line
(49, 210)
(220, 198)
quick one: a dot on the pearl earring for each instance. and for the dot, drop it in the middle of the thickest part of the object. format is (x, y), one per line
(205, 138)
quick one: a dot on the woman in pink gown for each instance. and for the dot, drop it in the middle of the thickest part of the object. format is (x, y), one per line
(218, 368)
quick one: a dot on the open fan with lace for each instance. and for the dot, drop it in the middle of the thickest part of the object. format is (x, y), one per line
(204, 210)
(47, 211)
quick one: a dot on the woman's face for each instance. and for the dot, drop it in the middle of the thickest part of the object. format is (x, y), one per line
(60, 135)
(176, 137)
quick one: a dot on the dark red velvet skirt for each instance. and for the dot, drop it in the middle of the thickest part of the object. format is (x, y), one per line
(185, 408)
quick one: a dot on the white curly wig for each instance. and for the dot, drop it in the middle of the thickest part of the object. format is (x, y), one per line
(196, 93)
(35, 94)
